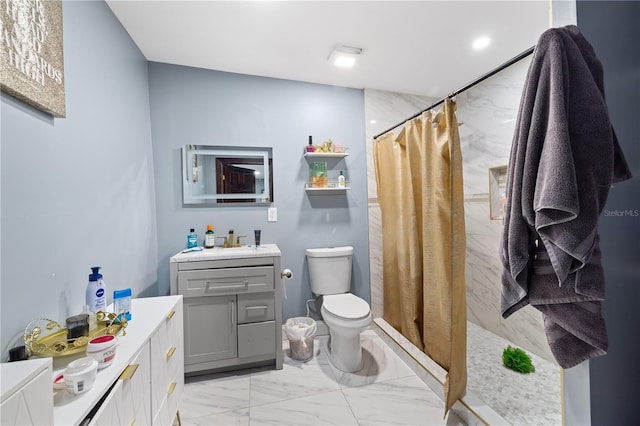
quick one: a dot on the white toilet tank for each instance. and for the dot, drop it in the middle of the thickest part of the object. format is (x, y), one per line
(330, 269)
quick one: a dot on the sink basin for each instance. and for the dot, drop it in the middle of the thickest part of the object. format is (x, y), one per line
(216, 253)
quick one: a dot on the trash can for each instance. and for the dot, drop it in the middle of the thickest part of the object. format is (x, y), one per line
(300, 331)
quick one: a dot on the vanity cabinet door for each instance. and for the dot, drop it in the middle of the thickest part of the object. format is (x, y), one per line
(256, 339)
(210, 329)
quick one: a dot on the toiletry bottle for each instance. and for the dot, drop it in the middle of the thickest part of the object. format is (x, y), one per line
(341, 181)
(96, 296)
(209, 237)
(310, 147)
(192, 239)
(93, 323)
(122, 303)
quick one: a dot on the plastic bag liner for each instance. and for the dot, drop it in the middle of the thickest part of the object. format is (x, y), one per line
(300, 331)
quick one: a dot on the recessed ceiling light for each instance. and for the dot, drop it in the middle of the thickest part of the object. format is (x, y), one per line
(481, 43)
(344, 56)
(372, 121)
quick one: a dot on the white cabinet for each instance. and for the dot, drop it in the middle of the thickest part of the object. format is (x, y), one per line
(129, 402)
(167, 368)
(143, 385)
(26, 393)
(232, 306)
(148, 390)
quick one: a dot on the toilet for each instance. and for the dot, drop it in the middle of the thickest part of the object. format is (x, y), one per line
(345, 314)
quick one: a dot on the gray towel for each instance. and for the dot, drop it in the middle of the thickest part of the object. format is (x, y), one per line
(563, 160)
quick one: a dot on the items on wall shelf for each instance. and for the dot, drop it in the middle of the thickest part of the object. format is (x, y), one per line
(318, 174)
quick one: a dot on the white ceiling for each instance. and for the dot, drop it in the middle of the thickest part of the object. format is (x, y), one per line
(417, 47)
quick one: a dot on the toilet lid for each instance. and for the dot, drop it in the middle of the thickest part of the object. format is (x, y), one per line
(346, 305)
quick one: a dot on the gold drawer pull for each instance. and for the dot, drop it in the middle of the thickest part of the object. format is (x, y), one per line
(171, 314)
(133, 420)
(128, 372)
(170, 352)
(172, 387)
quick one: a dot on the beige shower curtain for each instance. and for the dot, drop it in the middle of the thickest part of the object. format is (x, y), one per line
(419, 179)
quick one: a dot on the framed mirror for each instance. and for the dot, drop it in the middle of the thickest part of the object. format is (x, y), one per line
(226, 175)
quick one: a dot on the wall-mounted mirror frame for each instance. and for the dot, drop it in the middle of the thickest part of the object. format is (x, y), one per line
(227, 175)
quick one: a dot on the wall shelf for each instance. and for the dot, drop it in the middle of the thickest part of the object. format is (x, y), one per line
(326, 154)
(325, 191)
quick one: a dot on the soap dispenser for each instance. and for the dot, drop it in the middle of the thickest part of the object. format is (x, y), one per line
(96, 297)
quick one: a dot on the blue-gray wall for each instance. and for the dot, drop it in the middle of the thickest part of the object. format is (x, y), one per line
(78, 192)
(612, 28)
(203, 107)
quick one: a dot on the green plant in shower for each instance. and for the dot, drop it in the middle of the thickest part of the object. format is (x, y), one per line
(517, 360)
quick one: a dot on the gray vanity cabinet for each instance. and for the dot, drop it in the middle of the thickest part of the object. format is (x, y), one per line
(232, 307)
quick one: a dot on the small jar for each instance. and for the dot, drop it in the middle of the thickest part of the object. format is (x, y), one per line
(102, 349)
(77, 326)
(80, 375)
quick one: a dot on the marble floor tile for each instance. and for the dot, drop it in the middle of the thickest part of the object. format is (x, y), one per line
(329, 408)
(384, 392)
(228, 418)
(216, 393)
(405, 401)
(296, 379)
(380, 363)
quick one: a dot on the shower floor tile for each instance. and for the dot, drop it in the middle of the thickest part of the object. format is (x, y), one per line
(522, 399)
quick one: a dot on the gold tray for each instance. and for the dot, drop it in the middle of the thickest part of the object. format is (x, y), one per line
(55, 343)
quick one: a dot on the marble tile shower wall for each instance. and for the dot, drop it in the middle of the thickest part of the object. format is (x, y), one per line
(488, 114)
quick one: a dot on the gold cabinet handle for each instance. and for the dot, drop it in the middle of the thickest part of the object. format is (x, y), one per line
(170, 352)
(171, 314)
(128, 372)
(172, 387)
(133, 420)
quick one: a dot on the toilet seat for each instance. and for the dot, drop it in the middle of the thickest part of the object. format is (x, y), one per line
(347, 306)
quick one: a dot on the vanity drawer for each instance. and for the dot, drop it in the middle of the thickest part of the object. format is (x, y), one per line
(255, 307)
(213, 282)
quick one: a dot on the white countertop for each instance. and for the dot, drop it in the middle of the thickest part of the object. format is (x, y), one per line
(218, 253)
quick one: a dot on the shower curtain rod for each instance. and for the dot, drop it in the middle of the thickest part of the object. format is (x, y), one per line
(468, 86)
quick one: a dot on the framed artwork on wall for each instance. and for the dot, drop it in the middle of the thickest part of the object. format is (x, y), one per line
(31, 53)
(497, 188)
